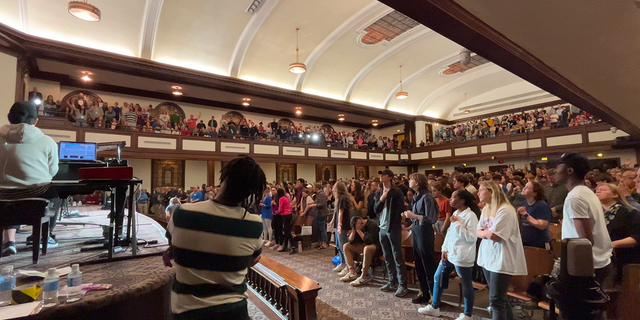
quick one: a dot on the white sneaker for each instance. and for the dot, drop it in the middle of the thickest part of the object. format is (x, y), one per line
(360, 281)
(349, 277)
(463, 316)
(339, 268)
(343, 273)
(429, 310)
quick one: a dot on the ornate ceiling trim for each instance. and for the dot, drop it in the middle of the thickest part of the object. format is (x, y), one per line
(152, 11)
(451, 20)
(473, 75)
(247, 36)
(431, 67)
(397, 47)
(333, 37)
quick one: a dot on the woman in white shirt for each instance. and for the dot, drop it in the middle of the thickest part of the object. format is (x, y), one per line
(458, 252)
(501, 254)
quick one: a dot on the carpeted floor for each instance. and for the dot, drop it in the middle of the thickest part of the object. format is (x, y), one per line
(339, 300)
(71, 238)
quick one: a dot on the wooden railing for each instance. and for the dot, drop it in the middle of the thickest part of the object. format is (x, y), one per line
(291, 294)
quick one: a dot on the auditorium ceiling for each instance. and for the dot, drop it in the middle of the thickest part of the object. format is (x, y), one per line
(352, 49)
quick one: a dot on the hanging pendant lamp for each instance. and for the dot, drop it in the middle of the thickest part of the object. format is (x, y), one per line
(297, 67)
(401, 94)
(84, 11)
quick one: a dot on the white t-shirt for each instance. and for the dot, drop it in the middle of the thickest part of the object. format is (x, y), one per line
(507, 255)
(460, 241)
(582, 203)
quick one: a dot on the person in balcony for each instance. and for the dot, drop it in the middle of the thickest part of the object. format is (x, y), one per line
(109, 117)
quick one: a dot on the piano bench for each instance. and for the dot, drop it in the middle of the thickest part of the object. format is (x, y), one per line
(29, 211)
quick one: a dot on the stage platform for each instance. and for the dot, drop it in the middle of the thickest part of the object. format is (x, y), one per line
(71, 238)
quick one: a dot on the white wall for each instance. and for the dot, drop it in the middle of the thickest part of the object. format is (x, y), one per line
(141, 170)
(373, 171)
(269, 171)
(388, 132)
(8, 65)
(307, 172)
(398, 170)
(195, 173)
(345, 172)
(58, 92)
(421, 132)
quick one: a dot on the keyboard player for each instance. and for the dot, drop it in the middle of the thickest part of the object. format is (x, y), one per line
(28, 158)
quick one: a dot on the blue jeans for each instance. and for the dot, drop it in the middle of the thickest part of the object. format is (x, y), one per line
(321, 223)
(341, 239)
(441, 282)
(391, 242)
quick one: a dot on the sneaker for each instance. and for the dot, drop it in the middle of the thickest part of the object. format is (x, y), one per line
(293, 251)
(9, 248)
(429, 310)
(339, 268)
(359, 281)
(343, 273)
(463, 316)
(388, 287)
(349, 277)
(402, 291)
(51, 243)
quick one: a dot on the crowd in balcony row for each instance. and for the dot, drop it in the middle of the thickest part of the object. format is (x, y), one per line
(559, 116)
(133, 117)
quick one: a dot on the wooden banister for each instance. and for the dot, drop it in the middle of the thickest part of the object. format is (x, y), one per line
(292, 294)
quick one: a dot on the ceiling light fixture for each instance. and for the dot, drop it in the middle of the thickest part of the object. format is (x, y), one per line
(466, 111)
(341, 117)
(599, 155)
(245, 102)
(86, 76)
(84, 11)
(298, 110)
(401, 94)
(297, 67)
(177, 90)
(374, 123)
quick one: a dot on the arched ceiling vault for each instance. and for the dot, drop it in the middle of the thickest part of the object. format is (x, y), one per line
(352, 53)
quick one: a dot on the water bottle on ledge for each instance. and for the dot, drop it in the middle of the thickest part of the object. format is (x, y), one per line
(74, 284)
(50, 290)
(5, 290)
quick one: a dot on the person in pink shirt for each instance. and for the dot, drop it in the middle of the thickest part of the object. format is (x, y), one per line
(284, 210)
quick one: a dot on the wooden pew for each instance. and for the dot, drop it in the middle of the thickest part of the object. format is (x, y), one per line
(292, 294)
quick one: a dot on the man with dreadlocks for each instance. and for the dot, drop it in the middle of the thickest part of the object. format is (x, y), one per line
(213, 243)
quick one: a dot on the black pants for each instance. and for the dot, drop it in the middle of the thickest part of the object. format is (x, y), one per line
(52, 209)
(423, 251)
(276, 225)
(286, 229)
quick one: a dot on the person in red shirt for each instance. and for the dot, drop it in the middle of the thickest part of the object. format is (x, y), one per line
(193, 122)
(444, 206)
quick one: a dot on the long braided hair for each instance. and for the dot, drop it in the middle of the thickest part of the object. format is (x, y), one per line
(245, 181)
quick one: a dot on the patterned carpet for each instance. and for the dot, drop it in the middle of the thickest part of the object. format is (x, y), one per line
(339, 300)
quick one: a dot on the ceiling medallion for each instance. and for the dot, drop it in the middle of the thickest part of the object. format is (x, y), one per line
(84, 11)
(297, 67)
(401, 94)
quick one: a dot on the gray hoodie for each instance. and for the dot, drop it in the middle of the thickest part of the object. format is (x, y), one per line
(27, 156)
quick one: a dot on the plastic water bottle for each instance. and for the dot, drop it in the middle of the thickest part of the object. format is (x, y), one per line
(74, 284)
(13, 277)
(7, 273)
(50, 290)
(5, 291)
